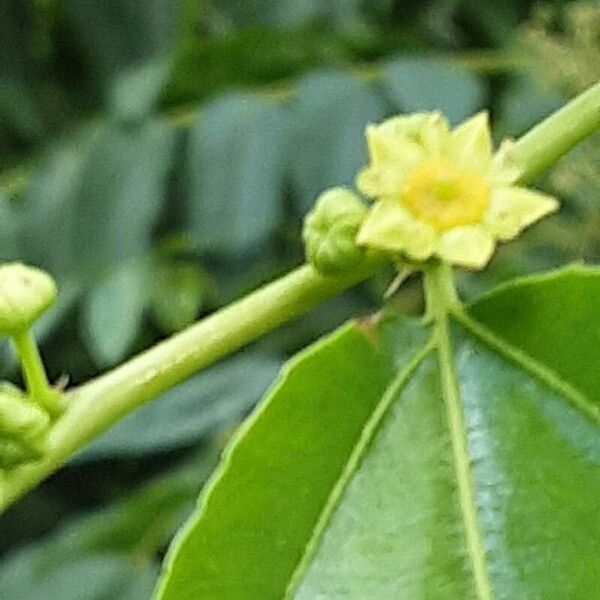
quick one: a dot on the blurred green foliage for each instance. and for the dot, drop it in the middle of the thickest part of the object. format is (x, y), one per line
(157, 157)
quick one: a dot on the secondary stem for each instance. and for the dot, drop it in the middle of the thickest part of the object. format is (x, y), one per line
(31, 361)
(35, 373)
(441, 298)
(98, 404)
(545, 143)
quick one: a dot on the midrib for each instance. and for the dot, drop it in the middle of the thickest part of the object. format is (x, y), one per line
(460, 454)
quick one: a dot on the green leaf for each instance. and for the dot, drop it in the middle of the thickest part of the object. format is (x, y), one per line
(236, 163)
(391, 461)
(542, 316)
(189, 411)
(93, 203)
(119, 34)
(9, 230)
(108, 554)
(32, 575)
(524, 104)
(330, 111)
(135, 91)
(120, 194)
(113, 310)
(178, 292)
(422, 84)
(48, 207)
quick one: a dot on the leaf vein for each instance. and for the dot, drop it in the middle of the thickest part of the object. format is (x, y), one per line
(542, 373)
(366, 436)
(439, 306)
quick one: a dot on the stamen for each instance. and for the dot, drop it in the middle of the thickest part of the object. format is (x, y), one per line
(446, 196)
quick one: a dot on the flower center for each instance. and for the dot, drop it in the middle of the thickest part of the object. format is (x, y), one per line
(445, 196)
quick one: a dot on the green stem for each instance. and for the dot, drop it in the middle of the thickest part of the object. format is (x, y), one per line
(545, 143)
(98, 404)
(442, 300)
(35, 374)
(444, 289)
(31, 361)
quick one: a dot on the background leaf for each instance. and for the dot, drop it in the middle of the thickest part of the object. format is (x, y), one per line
(9, 230)
(109, 551)
(422, 84)
(189, 411)
(121, 194)
(120, 33)
(135, 92)
(338, 107)
(178, 292)
(113, 310)
(94, 577)
(524, 104)
(47, 209)
(236, 163)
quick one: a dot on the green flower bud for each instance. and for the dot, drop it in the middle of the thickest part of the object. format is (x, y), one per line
(12, 454)
(330, 231)
(25, 293)
(21, 420)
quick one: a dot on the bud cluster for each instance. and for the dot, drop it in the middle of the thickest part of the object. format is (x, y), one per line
(330, 232)
(25, 293)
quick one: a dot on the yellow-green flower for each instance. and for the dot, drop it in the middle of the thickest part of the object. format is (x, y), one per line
(442, 192)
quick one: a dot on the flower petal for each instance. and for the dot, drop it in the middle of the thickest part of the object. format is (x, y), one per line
(471, 144)
(471, 246)
(503, 171)
(399, 145)
(393, 156)
(394, 138)
(434, 135)
(513, 208)
(386, 178)
(390, 227)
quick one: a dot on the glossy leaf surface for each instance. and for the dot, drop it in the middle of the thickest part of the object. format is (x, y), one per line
(346, 481)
